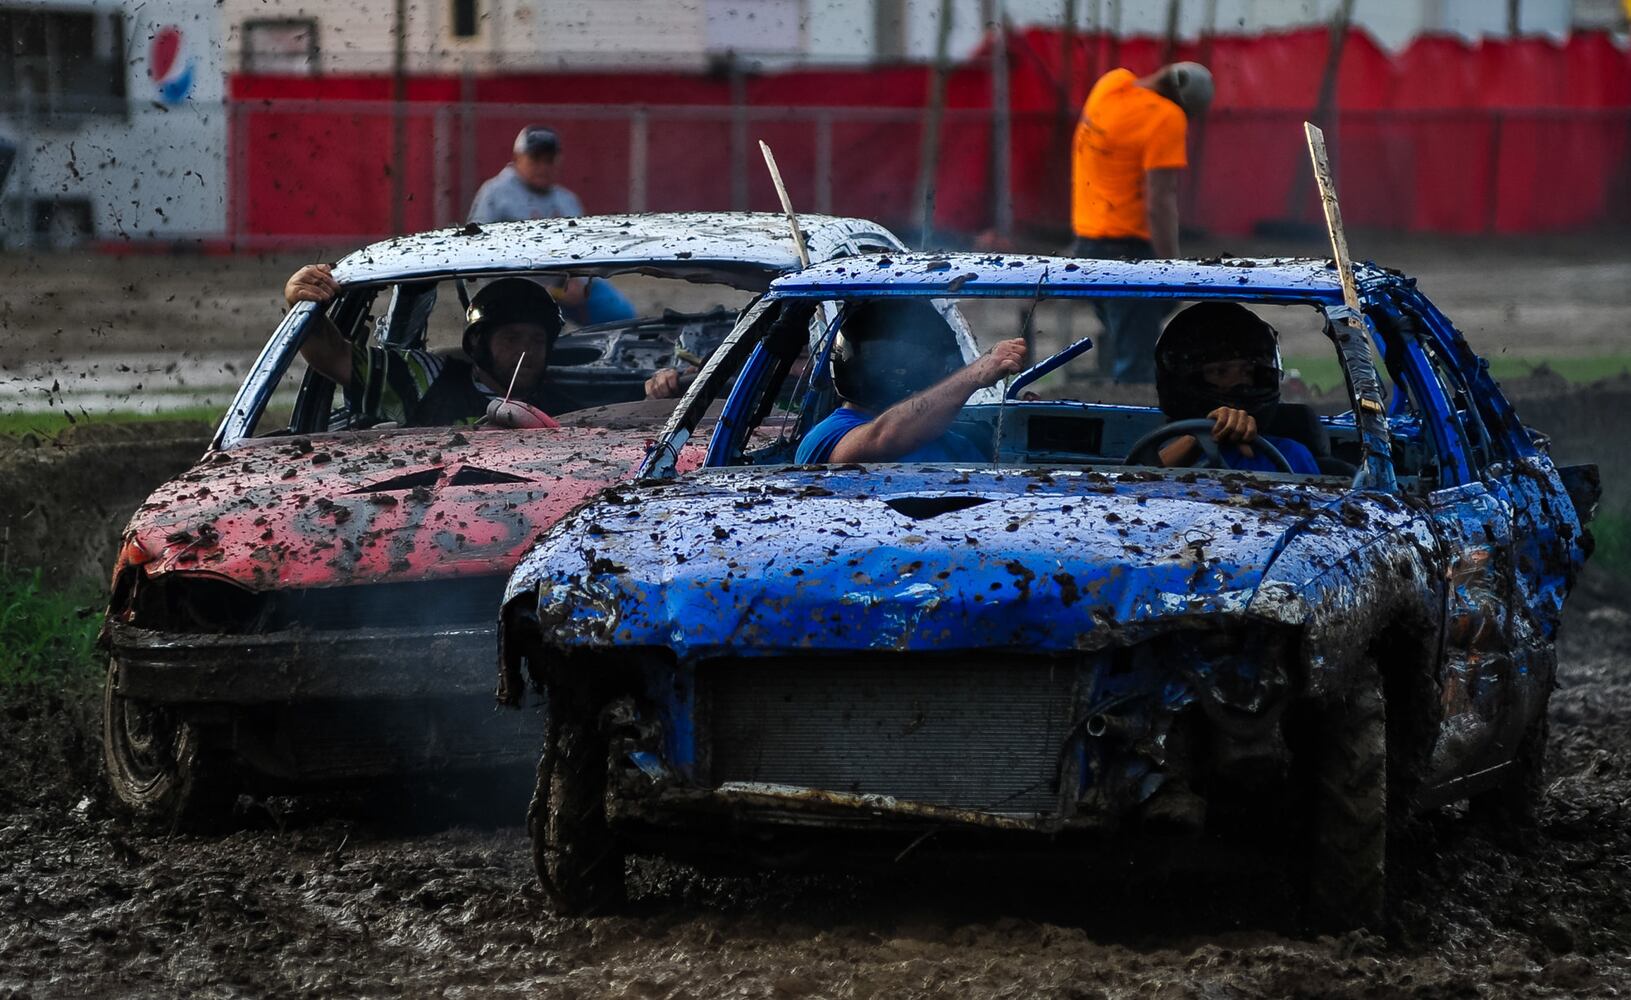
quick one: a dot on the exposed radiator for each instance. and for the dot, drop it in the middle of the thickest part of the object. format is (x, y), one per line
(975, 734)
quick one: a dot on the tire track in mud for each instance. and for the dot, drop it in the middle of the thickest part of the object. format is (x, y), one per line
(303, 905)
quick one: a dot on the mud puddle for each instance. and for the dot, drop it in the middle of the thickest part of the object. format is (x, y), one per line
(300, 905)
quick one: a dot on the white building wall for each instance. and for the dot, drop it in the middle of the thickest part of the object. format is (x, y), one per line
(160, 171)
(549, 34)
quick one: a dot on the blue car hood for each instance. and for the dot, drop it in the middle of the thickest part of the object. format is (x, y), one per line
(761, 561)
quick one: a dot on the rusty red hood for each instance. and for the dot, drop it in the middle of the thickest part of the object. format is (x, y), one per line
(374, 506)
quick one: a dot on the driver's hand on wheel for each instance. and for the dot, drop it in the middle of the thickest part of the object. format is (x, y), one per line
(1236, 427)
(312, 283)
(1229, 427)
(663, 385)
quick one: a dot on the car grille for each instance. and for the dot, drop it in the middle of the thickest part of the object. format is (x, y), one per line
(433, 603)
(968, 733)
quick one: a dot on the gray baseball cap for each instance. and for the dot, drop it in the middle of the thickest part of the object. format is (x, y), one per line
(537, 140)
(1192, 82)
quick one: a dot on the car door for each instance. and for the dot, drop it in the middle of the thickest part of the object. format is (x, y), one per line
(1544, 551)
(1473, 521)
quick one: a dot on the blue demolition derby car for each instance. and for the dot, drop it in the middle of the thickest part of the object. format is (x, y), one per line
(908, 605)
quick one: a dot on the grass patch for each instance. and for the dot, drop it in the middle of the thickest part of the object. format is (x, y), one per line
(1323, 372)
(47, 635)
(50, 424)
(1613, 552)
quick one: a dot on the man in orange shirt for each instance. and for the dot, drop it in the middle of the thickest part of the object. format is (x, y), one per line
(1124, 190)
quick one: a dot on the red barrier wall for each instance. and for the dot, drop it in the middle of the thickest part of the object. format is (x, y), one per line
(1446, 136)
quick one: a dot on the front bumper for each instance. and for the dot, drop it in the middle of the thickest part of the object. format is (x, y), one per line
(301, 665)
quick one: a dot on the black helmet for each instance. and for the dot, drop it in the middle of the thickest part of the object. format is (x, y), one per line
(889, 349)
(1211, 332)
(506, 301)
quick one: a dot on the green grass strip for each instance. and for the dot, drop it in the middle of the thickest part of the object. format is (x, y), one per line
(47, 636)
(50, 424)
(1321, 372)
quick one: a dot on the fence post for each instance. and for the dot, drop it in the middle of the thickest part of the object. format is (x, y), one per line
(638, 152)
(440, 154)
(467, 139)
(739, 134)
(823, 162)
(238, 122)
(1492, 201)
(1001, 127)
(399, 121)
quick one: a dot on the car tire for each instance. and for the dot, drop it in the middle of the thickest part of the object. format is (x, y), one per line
(160, 768)
(1513, 806)
(579, 862)
(1348, 810)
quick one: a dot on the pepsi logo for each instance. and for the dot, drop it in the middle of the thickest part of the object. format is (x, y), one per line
(167, 68)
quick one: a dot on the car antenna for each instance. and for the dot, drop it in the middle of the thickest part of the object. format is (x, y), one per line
(787, 203)
(1025, 335)
(513, 376)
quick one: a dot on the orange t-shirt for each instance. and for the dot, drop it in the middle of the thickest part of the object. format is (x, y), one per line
(1124, 131)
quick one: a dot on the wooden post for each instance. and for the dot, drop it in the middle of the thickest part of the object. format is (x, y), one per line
(1324, 102)
(1001, 128)
(399, 122)
(929, 150)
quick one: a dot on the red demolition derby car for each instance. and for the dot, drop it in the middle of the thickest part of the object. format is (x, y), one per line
(315, 601)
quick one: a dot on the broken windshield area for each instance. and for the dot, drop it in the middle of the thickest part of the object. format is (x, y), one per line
(493, 351)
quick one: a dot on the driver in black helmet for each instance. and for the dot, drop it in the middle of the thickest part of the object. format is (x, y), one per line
(1221, 361)
(896, 366)
(511, 325)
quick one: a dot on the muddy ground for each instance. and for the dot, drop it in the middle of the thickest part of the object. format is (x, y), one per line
(309, 899)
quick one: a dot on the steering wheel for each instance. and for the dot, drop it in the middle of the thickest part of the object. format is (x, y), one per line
(1147, 449)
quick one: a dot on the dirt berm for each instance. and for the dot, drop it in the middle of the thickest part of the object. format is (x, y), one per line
(64, 500)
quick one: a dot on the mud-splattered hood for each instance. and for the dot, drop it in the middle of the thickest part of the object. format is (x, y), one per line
(931, 558)
(362, 508)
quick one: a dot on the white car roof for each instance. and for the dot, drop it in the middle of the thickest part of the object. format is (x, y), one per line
(746, 249)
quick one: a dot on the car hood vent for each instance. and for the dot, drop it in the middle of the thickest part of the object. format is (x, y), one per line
(923, 508)
(407, 481)
(471, 475)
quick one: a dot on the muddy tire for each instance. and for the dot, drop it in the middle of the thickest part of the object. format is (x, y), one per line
(1348, 811)
(1513, 806)
(578, 861)
(162, 769)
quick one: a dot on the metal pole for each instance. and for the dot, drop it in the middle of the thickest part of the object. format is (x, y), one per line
(823, 162)
(399, 122)
(739, 134)
(1514, 18)
(638, 152)
(1171, 47)
(1001, 126)
(928, 156)
(467, 139)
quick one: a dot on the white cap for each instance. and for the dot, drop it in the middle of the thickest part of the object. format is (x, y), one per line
(1192, 82)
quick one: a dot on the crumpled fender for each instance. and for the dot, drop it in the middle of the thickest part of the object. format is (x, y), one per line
(1340, 587)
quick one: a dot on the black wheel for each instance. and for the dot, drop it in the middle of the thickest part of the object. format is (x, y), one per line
(160, 767)
(1348, 810)
(1513, 806)
(579, 862)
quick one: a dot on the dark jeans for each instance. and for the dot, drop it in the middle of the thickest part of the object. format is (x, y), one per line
(1132, 325)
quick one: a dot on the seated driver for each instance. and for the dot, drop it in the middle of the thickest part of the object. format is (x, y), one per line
(896, 366)
(510, 327)
(1220, 361)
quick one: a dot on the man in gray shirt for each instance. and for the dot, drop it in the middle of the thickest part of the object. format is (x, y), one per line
(526, 189)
